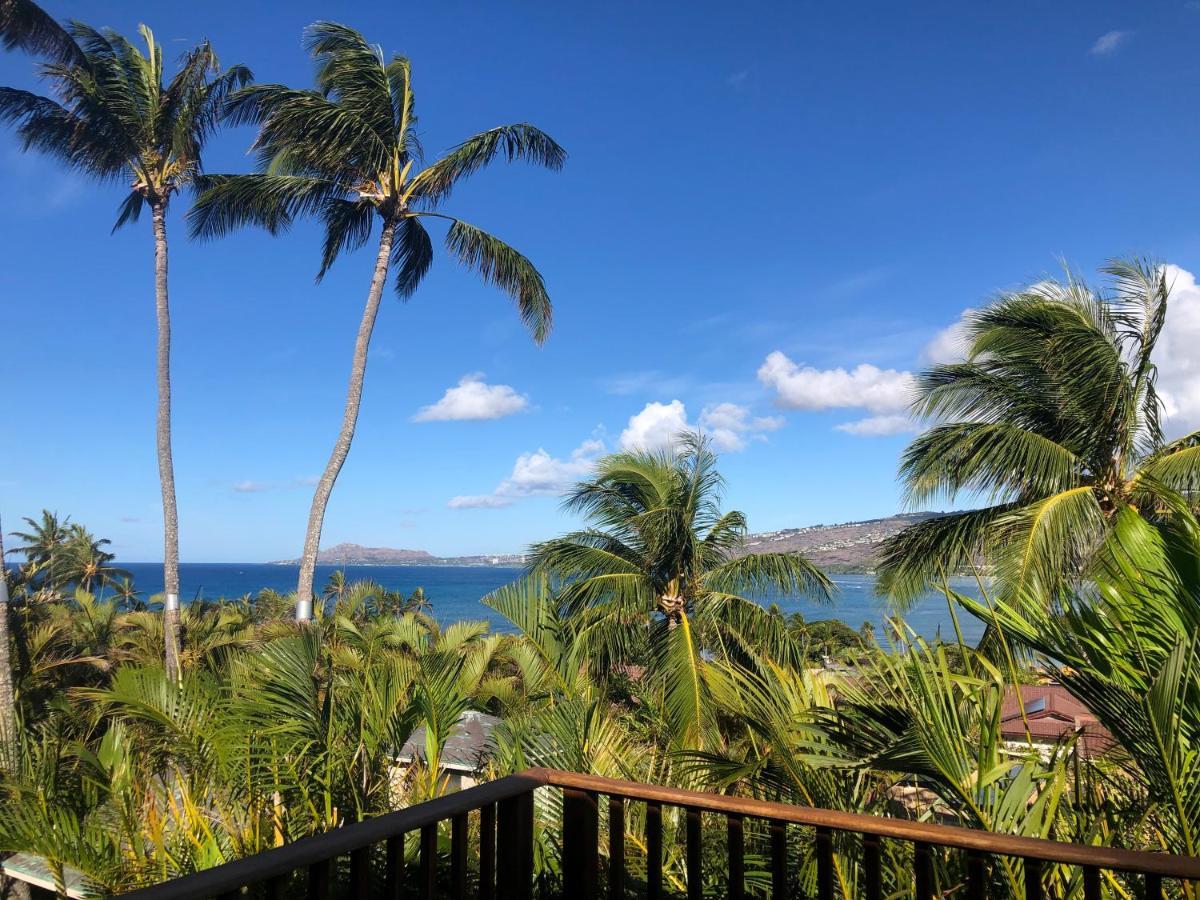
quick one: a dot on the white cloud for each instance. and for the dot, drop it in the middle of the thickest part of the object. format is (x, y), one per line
(474, 399)
(536, 474)
(729, 425)
(877, 390)
(1177, 354)
(251, 487)
(657, 425)
(879, 426)
(1109, 42)
(950, 344)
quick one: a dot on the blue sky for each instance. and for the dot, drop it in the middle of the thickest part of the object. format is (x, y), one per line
(760, 199)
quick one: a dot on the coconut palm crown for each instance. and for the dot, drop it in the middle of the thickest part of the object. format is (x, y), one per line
(1053, 417)
(658, 540)
(659, 561)
(347, 153)
(111, 115)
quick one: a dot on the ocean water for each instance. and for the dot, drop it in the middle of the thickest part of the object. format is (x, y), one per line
(455, 592)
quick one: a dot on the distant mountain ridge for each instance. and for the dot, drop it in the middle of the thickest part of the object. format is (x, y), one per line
(845, 547)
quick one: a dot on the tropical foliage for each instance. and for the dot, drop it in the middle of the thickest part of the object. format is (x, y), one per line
(1053, 417)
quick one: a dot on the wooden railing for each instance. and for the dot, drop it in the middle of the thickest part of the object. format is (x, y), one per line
(505, 868)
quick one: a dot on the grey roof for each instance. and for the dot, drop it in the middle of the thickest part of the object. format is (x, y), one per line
(32, 869)
(467, 747)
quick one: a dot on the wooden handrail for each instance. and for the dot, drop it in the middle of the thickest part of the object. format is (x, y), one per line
(1140, 861)
(513, 797)
(302, 853)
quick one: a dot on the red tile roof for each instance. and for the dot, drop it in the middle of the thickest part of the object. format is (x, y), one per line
(1052, 713)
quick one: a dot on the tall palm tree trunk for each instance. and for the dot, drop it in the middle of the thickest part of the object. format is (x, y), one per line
(166, 466)
(8, 707)
(316, 515)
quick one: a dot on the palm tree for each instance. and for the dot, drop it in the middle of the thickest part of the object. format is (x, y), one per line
(86, 563)
(660, 555)
(1053, 416)
(347, 153)
(43, 548)
(112, 117)
(8, 706)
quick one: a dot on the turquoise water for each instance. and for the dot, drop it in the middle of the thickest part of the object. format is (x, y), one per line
(455, 591)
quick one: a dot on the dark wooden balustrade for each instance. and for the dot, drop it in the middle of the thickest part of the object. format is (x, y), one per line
(505, 810)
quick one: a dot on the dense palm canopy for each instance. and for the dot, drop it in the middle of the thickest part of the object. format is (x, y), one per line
(347, 152)
(1054, 418)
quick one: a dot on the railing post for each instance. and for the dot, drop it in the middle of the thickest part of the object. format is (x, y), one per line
(779, 860)
(616, 848)
(736, 839)
(580, 837)
(279, 887)
(394, 887)
(514, 848)
(1033, 879)
(360, 874)
(1091, 883)
(695, 875)
(824, 841)
(654, 851)
(872, 868)
(487, 852)
(976, 876)
(923, 870)
(427, 871)
(458, 857)
(318, 880)
(1154, 889)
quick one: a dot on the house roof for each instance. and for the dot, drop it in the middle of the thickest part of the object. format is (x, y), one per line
(1052, 713)
(468, 745)
(32, 869)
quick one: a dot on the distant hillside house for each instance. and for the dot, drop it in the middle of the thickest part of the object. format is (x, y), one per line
(466, 752)
(1052, 715)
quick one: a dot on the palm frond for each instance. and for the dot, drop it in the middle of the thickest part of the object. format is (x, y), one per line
(925, 553)
(504, 267)
(521, 141)
(228, 202)
(412, 255)
(770, 576)
(26, 26)
(1001, 460)
(347, 227)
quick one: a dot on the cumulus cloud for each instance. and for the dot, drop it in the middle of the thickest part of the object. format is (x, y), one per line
(1109, 41)
(473, 399)
(879, 426)
(657, 425)
(950, 344)
(865, 386)
(536, 474)
(730, 425)
(1177, 354)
